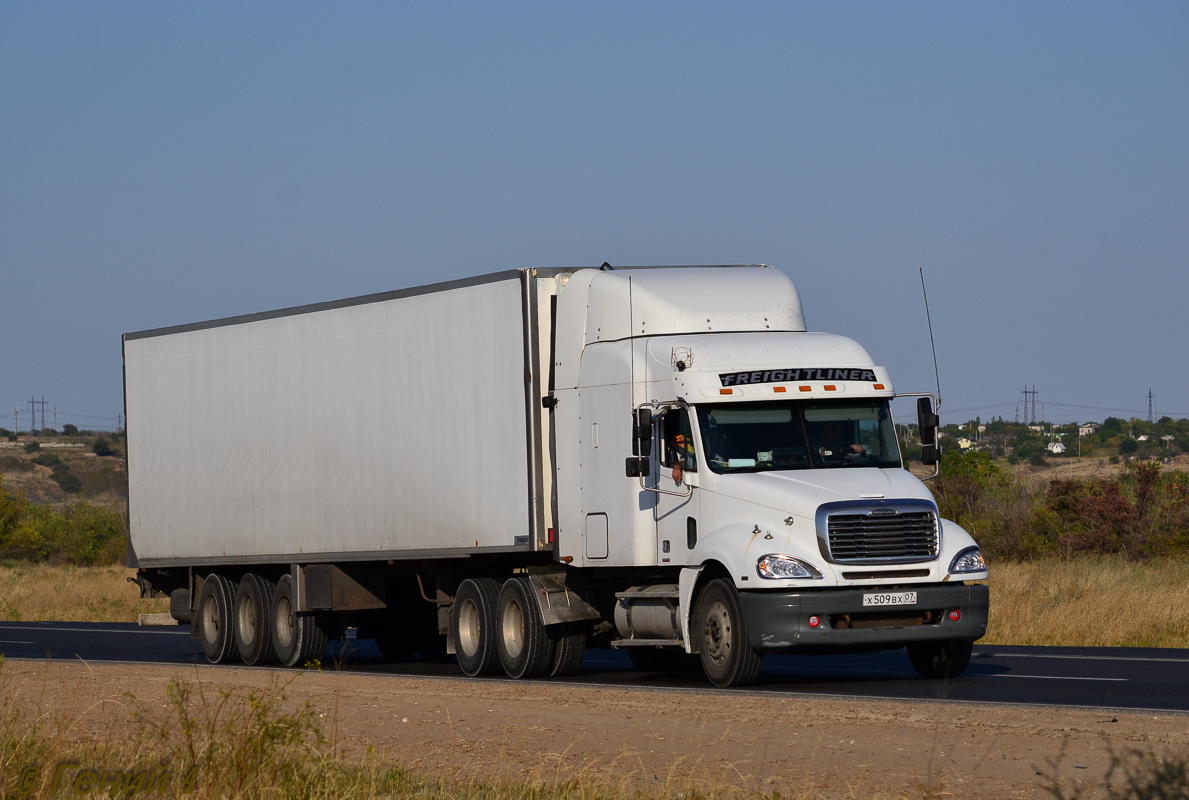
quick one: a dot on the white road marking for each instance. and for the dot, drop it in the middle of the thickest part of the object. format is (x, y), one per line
(156, 632)
(1088, 658)
(13, 641)
(1046, 677)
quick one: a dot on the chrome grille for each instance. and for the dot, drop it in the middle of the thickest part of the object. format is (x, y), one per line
(880, 537)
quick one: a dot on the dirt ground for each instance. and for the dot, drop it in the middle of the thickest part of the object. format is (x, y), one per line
(648, 741)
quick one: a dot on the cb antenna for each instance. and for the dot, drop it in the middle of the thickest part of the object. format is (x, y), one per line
(936, 373)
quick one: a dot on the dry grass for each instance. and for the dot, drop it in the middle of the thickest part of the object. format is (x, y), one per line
(1090, 601)
(80, 594)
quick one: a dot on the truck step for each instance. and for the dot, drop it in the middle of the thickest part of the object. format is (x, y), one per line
(651, 594)
(617, 643)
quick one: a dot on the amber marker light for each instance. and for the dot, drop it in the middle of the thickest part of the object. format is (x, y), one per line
(829, 387)
(726, 391)
(879, 386)
(805, 388)
(779, 389)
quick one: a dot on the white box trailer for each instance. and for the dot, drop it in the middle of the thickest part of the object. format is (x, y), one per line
(516, 467)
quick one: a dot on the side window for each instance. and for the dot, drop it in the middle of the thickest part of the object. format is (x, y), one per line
(679, 441)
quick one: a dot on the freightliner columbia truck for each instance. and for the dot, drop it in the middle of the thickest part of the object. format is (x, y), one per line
(518, 467)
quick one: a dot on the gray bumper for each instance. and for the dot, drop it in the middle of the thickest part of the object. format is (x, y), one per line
(778, 622)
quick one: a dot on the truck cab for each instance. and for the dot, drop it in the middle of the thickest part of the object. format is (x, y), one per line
(706, 441)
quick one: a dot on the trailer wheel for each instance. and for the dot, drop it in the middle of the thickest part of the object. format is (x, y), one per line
(726, 654)
(253, 615)
(940, 659)
(526, 650)
(297, 637)
(473, 626)
(215, 616)
(569, 648)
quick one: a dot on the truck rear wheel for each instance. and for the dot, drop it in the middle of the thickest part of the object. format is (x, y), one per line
(215, 616)
(569, 648)
(253, 615)
(726, 654)
(473, 625)
(940, 659)
(297, 637)
(526, 650)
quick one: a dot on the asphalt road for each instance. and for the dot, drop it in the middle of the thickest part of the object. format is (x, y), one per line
(1122, 678)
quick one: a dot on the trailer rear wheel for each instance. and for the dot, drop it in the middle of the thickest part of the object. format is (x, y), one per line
(473, 624)
(215, 615)
(297, 636)
(526, 650)
(727, 656)
(253, 615)
(940, 659)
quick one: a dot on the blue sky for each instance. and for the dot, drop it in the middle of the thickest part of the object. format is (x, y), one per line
(167, 163)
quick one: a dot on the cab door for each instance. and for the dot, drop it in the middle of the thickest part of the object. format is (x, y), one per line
(678, 498)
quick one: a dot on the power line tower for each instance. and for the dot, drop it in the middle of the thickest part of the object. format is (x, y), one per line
(1151, 406)
(33, 404)
(1029, 396)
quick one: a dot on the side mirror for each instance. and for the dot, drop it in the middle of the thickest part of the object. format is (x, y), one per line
(638, 466)
(927, 421)
(642, 433)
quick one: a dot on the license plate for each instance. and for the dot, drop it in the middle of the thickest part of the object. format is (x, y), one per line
(890, 599)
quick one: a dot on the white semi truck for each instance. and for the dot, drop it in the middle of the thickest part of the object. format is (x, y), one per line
(520, 466)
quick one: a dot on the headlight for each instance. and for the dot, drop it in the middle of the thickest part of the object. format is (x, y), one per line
(781, 567)
(969, 560)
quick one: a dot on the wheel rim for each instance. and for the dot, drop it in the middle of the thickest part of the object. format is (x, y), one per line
(718, 633)
(246, 619)
(469, 627)
(513, 627)
(284, 622)
(210, 619)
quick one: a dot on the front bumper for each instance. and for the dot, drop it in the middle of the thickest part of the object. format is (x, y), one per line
(778, 622)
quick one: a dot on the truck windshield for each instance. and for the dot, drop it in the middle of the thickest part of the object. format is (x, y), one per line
(750, 437)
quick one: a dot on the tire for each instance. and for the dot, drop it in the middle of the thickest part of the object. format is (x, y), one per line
(253, 620)
(473, 626)
(940, 659)
(663, 659)
(215, 616)
(297, 637)
(569, 648)
(726, 654)
(526, 651)
(179, 606)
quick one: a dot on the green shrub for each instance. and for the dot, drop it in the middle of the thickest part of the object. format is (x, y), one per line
(80, 534)
(69, 429)
(1037, 460)
(46, 460)
(32, 447)
(102, 447)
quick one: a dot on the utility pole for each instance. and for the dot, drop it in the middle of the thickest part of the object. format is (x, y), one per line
(1151, 406)
(15, 413)
(32, 416)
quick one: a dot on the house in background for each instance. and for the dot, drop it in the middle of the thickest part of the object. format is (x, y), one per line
(1056, 448)
(1088, 429)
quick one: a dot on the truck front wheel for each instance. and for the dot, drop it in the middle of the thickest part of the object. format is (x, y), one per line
(727, 656)
(473, 624)
(297, 637)
(940, 659)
